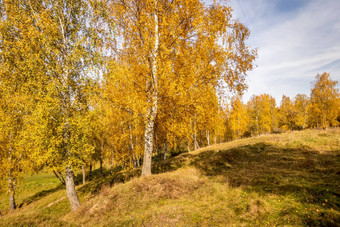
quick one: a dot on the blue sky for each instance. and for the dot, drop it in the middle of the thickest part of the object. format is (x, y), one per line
(296, 39)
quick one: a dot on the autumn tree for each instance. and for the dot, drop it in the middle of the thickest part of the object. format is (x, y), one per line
(173, 47)
(174, 125)
(324, 105)
(72, 38)
(20, 71)
(262, 114)
(211, 117)
(13, 153)
(288, 113)
(238, 119)
(301, 102)
(123, 106)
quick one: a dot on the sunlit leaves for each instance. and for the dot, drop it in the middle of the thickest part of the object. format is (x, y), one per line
(201, 54)
(324, 101)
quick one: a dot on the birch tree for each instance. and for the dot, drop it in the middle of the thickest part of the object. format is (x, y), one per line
(20, 71)
(172, 48)
(301, 103)
(324, 101)
(261, 114)
(72, 38)
(288, 114)
(238, 118)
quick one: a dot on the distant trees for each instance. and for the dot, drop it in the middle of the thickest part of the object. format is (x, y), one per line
(324, 101)
(288, 114)
(238, 118)
(262, 114)
(301, 103)
(320, 110)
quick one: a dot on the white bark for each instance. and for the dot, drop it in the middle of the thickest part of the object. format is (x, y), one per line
(11, 192)
(153, 101)
(71, 190)
(208, 137)
(11, 180)
(12, 204)
(165, 149)
(196, 145)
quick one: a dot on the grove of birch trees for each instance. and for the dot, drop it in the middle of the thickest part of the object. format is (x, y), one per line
(129, 83)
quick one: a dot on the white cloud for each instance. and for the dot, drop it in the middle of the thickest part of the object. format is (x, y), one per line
(292, 45)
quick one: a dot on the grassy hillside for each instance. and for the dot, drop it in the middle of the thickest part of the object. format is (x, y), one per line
(285, 179)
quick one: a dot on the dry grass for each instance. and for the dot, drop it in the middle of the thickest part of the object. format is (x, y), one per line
(138, 194)
(290, 179)
(315, 139)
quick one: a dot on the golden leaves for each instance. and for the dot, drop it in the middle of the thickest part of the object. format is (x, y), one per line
(324, 101)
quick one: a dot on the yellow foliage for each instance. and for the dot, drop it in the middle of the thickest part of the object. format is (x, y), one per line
(263, 114)
(324, 102)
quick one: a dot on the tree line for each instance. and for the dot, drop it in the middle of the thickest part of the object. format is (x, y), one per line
(261, 115)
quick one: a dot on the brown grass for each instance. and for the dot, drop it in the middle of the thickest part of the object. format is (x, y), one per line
(138, 194)
(290, 179)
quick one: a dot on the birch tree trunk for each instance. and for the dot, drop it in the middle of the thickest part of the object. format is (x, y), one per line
(196, 145)
(11, 180)
(11, 192)
(70, 182)
(12, 204)
(138, 162)
(153, 101)
(66, 107)
(188, 146)
(71, 190)
(165, 148)
(208, 137)
(137, 155)
(148, 138)
(131, 148)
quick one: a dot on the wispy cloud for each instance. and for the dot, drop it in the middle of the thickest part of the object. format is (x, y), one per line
(295, 40)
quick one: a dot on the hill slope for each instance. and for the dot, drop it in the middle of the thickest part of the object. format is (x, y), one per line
(286, 179)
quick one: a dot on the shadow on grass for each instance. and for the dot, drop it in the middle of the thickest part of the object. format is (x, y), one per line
(171, 164)
(307, 175)
(94, 183)
(98, 180)
(267, 168)
(40, 195)
(109, 179)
